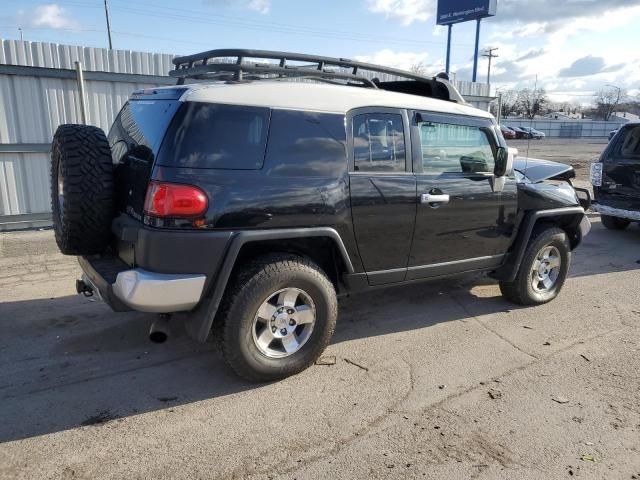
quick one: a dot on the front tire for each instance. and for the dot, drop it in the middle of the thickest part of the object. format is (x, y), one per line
(614, 223)
(277, 318)
(543, 270)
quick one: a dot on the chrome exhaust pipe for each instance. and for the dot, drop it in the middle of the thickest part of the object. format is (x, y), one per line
(159, 330)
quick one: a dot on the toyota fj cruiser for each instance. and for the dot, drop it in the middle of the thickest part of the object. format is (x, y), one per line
(244, 202)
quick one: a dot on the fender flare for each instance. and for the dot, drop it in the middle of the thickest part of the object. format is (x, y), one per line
(510, 269)
(198, 323)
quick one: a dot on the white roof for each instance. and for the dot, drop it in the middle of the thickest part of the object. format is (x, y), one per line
(318, 97)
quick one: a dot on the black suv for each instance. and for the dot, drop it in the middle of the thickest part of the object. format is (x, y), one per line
(246, 202)
(616, 179)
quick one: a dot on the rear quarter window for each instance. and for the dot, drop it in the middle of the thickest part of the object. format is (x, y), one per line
(204, 135)
(306, 144)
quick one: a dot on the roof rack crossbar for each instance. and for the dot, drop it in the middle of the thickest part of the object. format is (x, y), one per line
(219, 64)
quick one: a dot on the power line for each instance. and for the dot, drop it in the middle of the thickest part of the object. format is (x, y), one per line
(207, 17)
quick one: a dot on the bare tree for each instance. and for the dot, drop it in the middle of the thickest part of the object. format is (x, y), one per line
(607, 100)
(419, 68)
(531, 102)
(509, 103)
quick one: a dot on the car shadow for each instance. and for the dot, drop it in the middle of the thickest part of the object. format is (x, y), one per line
(70, 362)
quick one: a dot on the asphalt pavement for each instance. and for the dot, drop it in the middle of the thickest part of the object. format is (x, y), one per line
(438, 380)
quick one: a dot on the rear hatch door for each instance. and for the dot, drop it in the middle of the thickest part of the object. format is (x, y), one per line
(135, 139)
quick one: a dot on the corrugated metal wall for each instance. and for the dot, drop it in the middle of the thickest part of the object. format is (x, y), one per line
(33, 104)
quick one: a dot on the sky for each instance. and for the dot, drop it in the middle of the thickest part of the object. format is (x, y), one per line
(571, 48)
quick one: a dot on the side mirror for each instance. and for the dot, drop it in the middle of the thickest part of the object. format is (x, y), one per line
(502, 162)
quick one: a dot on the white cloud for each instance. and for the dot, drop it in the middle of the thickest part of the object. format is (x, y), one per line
(407, 11)
(260, 6)
(402, 60)
(47, 16)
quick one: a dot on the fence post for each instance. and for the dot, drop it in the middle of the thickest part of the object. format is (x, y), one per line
(83, 100)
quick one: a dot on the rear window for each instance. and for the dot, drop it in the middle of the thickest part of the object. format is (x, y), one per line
(139, 128)
(627, 146)
(205, 135)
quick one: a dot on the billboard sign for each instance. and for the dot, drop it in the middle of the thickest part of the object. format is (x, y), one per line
(456, 11)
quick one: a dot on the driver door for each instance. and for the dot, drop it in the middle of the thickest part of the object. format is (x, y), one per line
(462, 223)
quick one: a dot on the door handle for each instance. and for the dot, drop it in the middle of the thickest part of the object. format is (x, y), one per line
(430, 198)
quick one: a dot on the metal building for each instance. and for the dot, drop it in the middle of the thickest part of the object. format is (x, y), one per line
(38, 91)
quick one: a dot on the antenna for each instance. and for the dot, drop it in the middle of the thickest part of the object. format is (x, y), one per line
(533, 113)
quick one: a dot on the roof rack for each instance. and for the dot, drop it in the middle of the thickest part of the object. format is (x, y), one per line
(241, 65)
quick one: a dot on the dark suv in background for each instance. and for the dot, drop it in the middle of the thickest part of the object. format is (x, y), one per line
(616, 179)
(246, 203)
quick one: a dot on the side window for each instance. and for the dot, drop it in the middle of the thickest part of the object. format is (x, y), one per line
(378, 143)
(453, 148)
(306, 144)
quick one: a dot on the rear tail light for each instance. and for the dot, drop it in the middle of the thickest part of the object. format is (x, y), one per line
(171, 200)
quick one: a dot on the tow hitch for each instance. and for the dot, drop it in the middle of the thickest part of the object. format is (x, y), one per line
(84, 288)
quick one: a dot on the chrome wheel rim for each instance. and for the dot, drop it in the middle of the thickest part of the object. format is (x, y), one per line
(546, 269)
(284, 322)
(60, 179)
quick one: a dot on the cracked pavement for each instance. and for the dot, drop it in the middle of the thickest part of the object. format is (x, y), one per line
(85, 395)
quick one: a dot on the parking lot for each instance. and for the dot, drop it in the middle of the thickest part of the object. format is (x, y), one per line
(440, 380)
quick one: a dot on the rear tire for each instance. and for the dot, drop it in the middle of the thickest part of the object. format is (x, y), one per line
(278, 316)
(543, 270)
(82, 189)
(614, 223)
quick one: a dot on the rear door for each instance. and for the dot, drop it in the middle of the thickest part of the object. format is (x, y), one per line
(621, 170)
(463, 223)
(383, 191)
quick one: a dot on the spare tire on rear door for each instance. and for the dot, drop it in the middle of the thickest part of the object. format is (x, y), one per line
(82, 189)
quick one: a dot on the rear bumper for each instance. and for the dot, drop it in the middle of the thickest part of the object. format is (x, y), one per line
(158, 292)
(615, 212)
(141, 290)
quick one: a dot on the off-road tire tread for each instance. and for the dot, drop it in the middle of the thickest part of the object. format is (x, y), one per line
(515, 291)
(85, 157)
(240, 293)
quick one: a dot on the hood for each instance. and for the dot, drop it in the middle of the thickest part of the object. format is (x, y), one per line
(537, 170)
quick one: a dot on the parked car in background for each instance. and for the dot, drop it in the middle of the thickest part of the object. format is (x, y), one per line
(520, 132)
(612, 133)
(533, 133)
(507, 133)
(615, 179)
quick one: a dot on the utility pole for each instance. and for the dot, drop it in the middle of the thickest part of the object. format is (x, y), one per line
(490, 56)
(21, 36)
(106, 14)
(475, 51)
